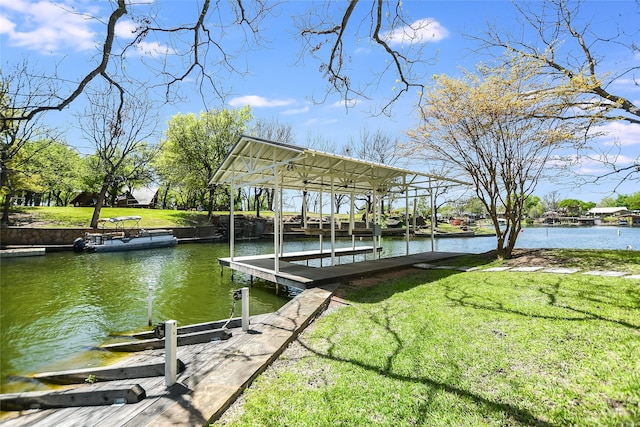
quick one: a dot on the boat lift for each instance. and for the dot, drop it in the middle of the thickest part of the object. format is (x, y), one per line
(256, 162)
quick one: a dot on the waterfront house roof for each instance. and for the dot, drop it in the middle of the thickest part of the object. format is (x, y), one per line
(620, 210)
(255, 162)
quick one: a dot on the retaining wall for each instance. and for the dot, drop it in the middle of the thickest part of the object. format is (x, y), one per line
(245, 227)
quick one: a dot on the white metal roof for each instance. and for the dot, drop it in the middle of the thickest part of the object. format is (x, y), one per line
(254, 162)
(608, 211)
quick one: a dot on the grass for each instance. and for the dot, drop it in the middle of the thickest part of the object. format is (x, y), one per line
(70, 216)
(439, 348)
(66, 216)
(584, 259)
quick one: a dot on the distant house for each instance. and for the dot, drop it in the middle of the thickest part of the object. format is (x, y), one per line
(617, 211)
(145, 197)
(85, 199)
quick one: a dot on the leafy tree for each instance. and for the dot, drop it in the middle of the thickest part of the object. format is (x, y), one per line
(18, 91)
(630, 201)
(585, 206)
(531, 202)
(498, 129)
(607, 202)
(536, 211)
(59, 169)
(195, 146)
(572, 206)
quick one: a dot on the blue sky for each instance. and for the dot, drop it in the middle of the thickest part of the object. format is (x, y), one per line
(279, 86)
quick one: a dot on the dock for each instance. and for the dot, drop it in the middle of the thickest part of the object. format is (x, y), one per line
(304, 277)
(212, 374)
(215, 374)
(22, 252)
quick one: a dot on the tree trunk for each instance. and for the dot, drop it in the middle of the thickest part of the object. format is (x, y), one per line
(164, 198)
(7, 198)
(99, 204)
(257, 200)
(212, 193)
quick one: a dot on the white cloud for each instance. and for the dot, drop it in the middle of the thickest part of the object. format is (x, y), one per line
(46, 26)
(256, 101)
(349, 103)
(619, 133)
(421, 31)
(126, 29)
(153, 49)
(302, 110)
(627, 84)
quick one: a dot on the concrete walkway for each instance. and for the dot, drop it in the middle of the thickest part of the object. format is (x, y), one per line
(532, 269)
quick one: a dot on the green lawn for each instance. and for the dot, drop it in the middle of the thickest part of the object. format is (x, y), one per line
(443, 348)
(67, 216)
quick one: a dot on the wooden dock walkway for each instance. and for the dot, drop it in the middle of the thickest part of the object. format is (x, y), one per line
(216, 374)
(305, 277)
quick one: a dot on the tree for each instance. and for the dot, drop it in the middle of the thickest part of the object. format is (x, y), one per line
(489, 128)
(574, 57)
(199, 51)
(195, 146)
(325, 35)
(572, 206)
(552, 201)
(271, 130)
(630, 201)
(119, 131)
(59, 170)
(378, 147)
(18, 91)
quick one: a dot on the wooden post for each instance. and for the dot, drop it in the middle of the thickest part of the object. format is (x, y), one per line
(170, 352)
(245, 309)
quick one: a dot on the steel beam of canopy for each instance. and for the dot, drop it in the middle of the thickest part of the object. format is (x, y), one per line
(252, 161)
(259, 162)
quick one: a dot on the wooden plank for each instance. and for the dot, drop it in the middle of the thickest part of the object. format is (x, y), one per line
(235, 322)
(301, 255)
(214, 389)
(156, 343)
(82, 396)
(106, 373)
(326, 253)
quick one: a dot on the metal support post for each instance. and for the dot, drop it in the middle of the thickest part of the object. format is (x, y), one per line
(170, 352)
(245, 309)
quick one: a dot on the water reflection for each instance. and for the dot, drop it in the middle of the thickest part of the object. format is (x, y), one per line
(56, 307)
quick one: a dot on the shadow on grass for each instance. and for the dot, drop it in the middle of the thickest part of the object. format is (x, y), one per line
(520, 414)
(469, 297)
(555, 300)
(388, 287)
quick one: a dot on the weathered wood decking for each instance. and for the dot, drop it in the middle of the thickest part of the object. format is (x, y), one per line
(215, 375)
(304, 277)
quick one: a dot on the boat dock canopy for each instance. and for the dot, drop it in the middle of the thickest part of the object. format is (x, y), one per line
(255, 162)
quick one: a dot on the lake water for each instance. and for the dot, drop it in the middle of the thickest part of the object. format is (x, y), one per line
(54, 308)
